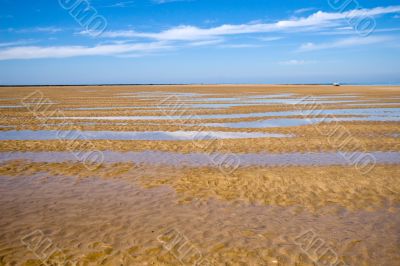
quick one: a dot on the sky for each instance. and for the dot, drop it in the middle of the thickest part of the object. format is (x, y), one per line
(199, 41)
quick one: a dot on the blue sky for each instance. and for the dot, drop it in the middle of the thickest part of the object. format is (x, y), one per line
(199, 41)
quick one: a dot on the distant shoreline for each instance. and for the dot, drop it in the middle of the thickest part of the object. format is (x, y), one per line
(199, 84)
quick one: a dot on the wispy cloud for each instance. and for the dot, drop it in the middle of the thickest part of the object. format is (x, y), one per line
(317, 20)
(347, 42)
(206, 42)
(33, 52)
(15, 43)
(303, 10)
(169, 1)
(191, 36)
(295, 62)
(50, 29)
(349, 31)
(270, 39)
(121, 4)
(241, 45)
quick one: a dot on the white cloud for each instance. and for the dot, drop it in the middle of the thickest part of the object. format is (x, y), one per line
(240, 45)
(122, 4)
(317, 20)
(349, 31)
(295, 62)
(304, 10)
(187, 35)
(21, 42)
(113, 34)
(270, 39)
(50, 29)
(206, 42)
(169, 1)
(32, 52)
(356, 41)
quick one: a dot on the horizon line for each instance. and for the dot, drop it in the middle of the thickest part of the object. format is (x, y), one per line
(204, 84)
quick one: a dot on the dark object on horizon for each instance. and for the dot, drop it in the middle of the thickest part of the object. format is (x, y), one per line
(336, 84)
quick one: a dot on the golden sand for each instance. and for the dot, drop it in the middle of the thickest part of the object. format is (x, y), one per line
(282, 145)
(138, 214)
(369, 136)
(114, 219)
(310, 187)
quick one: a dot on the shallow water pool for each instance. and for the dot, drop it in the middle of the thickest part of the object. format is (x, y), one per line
(121, 135)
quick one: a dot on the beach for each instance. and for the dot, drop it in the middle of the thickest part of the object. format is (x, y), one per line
(200, 175)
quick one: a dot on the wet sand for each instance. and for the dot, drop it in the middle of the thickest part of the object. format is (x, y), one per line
(289, 201)
(90, 223)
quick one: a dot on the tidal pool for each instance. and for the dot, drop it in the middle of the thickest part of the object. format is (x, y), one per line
(303, 112)
(145, 108)
(135, 135)
(205, 159)
(293, 122)
(373, 104)
(270, 100)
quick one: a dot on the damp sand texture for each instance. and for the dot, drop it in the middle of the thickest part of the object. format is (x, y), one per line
(200, 175)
